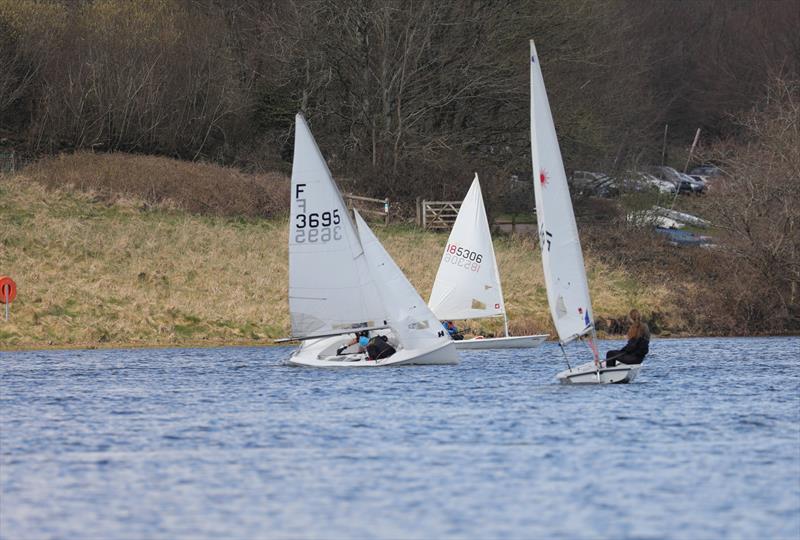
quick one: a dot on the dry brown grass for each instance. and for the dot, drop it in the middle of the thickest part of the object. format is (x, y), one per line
(200, 188)
(92, 273)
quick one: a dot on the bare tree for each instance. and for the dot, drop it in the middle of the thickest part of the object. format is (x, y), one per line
(140, 75)
(757, 204)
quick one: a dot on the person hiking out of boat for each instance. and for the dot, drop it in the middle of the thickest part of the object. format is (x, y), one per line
(362, 338)
(452, 330)
(638, 343)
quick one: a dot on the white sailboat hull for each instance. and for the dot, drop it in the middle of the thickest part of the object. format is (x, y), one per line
(588, 374)
(322, 353)
(509, 342)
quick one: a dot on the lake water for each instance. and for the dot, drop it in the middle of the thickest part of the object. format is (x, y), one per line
(209, 443)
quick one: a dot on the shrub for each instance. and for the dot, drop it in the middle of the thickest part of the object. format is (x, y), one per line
(199, 188)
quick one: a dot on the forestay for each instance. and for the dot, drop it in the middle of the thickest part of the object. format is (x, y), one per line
(467, 285)
(409, 317)
(564, 274)
(330, 288)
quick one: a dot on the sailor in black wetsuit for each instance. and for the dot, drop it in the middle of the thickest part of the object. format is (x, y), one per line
(379, 348)
(638, 343)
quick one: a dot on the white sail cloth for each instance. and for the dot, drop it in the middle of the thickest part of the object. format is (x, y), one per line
(408, 315)
(467, 285)
(564, 273)
(330, 287)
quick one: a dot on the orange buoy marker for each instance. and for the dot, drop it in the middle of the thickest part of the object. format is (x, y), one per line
(8, 291)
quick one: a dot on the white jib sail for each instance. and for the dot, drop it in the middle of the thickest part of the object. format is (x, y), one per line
(330, 288)
(467, 285)
(564, 273)
(409, 317)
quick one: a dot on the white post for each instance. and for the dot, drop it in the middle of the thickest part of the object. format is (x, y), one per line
(505, 322)
(691, 151)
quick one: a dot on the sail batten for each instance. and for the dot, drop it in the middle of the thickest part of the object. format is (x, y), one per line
(562, 259)
(467, 285)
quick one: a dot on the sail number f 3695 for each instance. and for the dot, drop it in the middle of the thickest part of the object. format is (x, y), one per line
(315, 226)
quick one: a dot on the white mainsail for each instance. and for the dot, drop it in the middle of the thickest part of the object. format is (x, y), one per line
(330, 288)
(408, 315)
(564, 273)
(467, 285)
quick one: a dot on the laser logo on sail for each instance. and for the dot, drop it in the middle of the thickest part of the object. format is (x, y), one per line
(543, 177)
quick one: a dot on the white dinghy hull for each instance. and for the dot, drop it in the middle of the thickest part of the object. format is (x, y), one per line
(510, 342)
(322, 353)
(588, 374)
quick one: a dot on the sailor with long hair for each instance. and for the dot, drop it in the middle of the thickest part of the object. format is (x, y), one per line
(638, 343)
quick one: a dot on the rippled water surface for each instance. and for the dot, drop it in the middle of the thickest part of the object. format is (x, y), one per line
(231, 443)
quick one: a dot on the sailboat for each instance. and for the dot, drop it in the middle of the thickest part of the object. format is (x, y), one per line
(342, 281)
(564, 271)
(467, 285)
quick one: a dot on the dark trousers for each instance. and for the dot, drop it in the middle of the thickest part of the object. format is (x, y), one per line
(612, 357)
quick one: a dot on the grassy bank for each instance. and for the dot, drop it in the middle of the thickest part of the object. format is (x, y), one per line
(97, 272)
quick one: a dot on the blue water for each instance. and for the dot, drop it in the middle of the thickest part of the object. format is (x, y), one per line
(231, 443)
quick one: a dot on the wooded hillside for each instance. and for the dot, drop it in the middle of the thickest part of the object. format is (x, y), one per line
(422, 91)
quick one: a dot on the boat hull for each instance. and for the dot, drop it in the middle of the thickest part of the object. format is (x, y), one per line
(588, 374)
(322, 353)
(509, 342)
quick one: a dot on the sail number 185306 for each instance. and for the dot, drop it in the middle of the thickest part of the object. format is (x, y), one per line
(453, 249)
(462, 257)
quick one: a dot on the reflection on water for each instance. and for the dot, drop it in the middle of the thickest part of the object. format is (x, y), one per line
(230, 442)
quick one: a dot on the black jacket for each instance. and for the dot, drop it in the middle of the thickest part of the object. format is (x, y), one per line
(637, 347)
(633, 352)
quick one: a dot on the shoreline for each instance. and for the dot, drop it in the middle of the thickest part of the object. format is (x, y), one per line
(222, 344)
